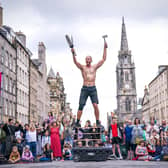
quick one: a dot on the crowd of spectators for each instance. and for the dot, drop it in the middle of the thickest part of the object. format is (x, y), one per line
(141, 141)
(54, 140)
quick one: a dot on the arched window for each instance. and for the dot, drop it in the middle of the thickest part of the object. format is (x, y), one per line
(128, 104)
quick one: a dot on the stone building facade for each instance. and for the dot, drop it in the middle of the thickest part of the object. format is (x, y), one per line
(15, 73)
(22, 64)
(8, 74)
(43, 91)
(155, 101)
(35, 77)
(57, 95)
(19, 99)
(126, 82)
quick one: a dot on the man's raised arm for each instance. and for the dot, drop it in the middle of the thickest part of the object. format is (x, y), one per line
(74, 59)
(100, 63)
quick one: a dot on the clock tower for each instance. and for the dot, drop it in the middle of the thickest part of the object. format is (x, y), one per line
(126, 83)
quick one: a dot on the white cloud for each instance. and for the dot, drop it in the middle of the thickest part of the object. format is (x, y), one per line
(146, 25)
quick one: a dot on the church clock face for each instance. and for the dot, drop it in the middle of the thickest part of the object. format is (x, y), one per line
(127, 86)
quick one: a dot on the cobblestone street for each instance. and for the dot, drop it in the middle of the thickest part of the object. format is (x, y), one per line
(107, 164)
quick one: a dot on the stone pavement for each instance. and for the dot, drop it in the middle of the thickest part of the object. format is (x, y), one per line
(106, 164)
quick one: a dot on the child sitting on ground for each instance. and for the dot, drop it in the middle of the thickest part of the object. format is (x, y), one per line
(142, 152)
(48, 153)
(19, 144)
(66, 152)
(14, 156)
(27, 154)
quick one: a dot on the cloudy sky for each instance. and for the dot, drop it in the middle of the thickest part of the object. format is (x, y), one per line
(87, 20)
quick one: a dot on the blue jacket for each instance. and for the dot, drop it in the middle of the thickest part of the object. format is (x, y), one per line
(128, 133)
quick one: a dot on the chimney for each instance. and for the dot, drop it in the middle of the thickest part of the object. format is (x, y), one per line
(22, 38)
(1, 15)
(146, 90)
(41, 51)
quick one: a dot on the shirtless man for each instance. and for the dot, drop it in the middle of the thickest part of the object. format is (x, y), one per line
(89, 88)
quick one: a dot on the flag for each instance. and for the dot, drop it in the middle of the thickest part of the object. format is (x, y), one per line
(0, 81)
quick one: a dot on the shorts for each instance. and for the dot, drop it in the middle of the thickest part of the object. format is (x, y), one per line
(115, 140)
(128, 145)
(88, 91)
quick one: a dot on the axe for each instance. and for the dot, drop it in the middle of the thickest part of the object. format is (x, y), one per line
(104, 37)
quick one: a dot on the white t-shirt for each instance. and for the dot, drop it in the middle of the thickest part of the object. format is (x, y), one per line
(32, 136)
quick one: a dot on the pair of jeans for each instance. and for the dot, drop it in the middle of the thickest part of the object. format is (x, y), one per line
(33, 148)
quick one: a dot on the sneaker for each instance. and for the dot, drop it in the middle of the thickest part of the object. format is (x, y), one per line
(112, 156)
(120, 158)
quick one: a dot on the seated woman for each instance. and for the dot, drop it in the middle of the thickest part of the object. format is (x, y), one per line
(142, 152)
(15, 155)
(27, 155)
(48, 153)
(158, 152)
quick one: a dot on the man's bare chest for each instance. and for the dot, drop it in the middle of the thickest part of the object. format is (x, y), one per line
(89, 70)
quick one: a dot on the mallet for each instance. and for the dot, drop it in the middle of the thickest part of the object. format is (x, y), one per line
(104, 37)
(70, 43)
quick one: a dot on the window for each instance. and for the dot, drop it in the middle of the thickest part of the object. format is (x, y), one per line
(18, 53)
(7, 59)
(7, 107)
(126, 76)
(125, 60)
(20, 98)
(2, 55)
(14, 87)
(10, 85)
(128, 104)
(10, 62)
(6, 83)
(20, 75)
(14, 64)
(23, 77)
(13, 109)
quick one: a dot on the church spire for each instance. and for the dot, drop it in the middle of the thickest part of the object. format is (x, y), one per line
(51, 73)
(124, 42)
